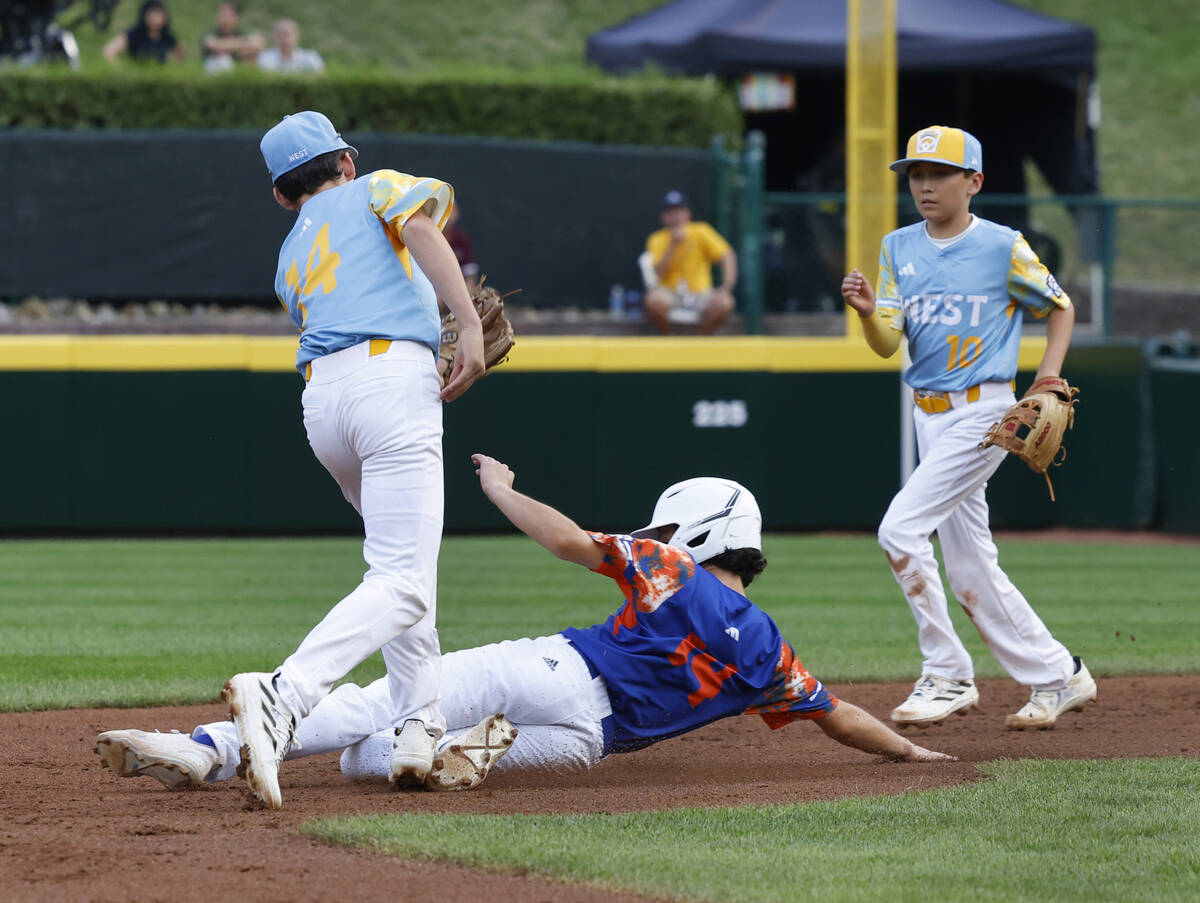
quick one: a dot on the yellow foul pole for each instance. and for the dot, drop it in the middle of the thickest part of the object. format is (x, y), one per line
(870, 135)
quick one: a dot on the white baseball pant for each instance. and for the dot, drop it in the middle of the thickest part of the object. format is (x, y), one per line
(374, 420)
(542, 685)
(946, 494)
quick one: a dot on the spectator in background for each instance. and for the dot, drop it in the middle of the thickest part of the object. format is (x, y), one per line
(464, 250)
(227, 44)
(287, 55)
(682, 253)
(150, 40)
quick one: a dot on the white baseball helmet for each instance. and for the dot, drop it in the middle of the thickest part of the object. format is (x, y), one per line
(713, 516)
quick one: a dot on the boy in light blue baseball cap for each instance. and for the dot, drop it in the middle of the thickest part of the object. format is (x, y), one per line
(299, 138)
(360, 274)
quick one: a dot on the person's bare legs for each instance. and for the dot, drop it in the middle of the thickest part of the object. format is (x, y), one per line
(716, 311)
(658, 310)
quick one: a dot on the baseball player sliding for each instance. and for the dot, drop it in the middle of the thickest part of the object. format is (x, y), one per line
(686, 647)
(957, 287)
(360, 274)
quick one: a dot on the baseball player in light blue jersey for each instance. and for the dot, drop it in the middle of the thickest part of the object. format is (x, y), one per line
(686, 647)
(360, 274)
(958, 287)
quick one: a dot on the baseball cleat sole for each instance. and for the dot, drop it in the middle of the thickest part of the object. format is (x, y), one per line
(464, 763)
(127, 762)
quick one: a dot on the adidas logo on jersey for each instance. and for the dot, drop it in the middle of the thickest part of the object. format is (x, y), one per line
(551, 663)
(733, 632)
(908, 270)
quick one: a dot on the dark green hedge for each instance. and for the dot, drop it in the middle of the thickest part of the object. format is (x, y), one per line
(648, 110)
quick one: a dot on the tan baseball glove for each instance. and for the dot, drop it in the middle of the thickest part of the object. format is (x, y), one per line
(1033, 428)
(498, 336)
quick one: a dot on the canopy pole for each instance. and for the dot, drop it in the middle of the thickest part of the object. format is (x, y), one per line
(870, 135)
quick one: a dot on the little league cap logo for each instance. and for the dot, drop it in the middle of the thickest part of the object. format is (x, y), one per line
(927, 141)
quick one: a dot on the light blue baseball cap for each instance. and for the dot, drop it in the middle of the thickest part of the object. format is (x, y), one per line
(299, 138)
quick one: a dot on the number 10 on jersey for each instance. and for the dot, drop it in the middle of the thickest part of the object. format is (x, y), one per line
(964, 351)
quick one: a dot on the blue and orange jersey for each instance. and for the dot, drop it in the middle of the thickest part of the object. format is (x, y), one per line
(344, 273)
(685, 650)
(961, 306)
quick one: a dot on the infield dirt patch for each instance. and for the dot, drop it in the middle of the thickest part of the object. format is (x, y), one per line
(73, 831)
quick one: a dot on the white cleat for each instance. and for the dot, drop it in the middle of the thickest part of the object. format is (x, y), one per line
(412, 755)
(174, 760)
(1044, 706)
(465, 760)
(266, 730)
(934, 699)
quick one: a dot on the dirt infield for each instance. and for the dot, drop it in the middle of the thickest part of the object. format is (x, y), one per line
(72, 831)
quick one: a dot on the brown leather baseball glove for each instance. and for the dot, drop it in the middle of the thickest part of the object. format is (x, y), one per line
(498, 337)
(1033, 428)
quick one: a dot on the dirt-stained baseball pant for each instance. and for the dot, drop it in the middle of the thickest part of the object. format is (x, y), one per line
(946, 494)
(374, 420)
(542, 685)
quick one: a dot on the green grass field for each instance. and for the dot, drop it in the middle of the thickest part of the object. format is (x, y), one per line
(143, 622)
(1070, 832)
(123, 622)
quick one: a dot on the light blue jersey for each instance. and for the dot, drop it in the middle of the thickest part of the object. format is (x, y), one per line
(344, 274)
(961, 306)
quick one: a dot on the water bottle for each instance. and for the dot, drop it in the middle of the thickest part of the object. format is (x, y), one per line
(616, 302)
(633, 305)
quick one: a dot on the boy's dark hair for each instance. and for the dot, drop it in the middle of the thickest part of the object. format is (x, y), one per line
(746, 563)
(308, 177)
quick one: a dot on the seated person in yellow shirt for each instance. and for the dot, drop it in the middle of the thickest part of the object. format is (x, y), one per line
(683, 253)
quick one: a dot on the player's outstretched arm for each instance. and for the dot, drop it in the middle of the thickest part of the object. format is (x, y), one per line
(851, 726)
(434, 256)
(549, 528)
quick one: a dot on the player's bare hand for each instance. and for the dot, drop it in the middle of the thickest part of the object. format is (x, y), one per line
(921, 754)
(857, 292)
(468, 362)
(492, 474)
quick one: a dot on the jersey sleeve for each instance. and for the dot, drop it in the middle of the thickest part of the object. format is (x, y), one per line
(794, 694)
(1030, 283)
(715, 247)
(888, 306)
(648, 572)
(395, 197)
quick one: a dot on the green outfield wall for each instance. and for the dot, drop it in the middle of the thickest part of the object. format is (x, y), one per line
(203, 434)
(1175, 385)
(202, 225)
